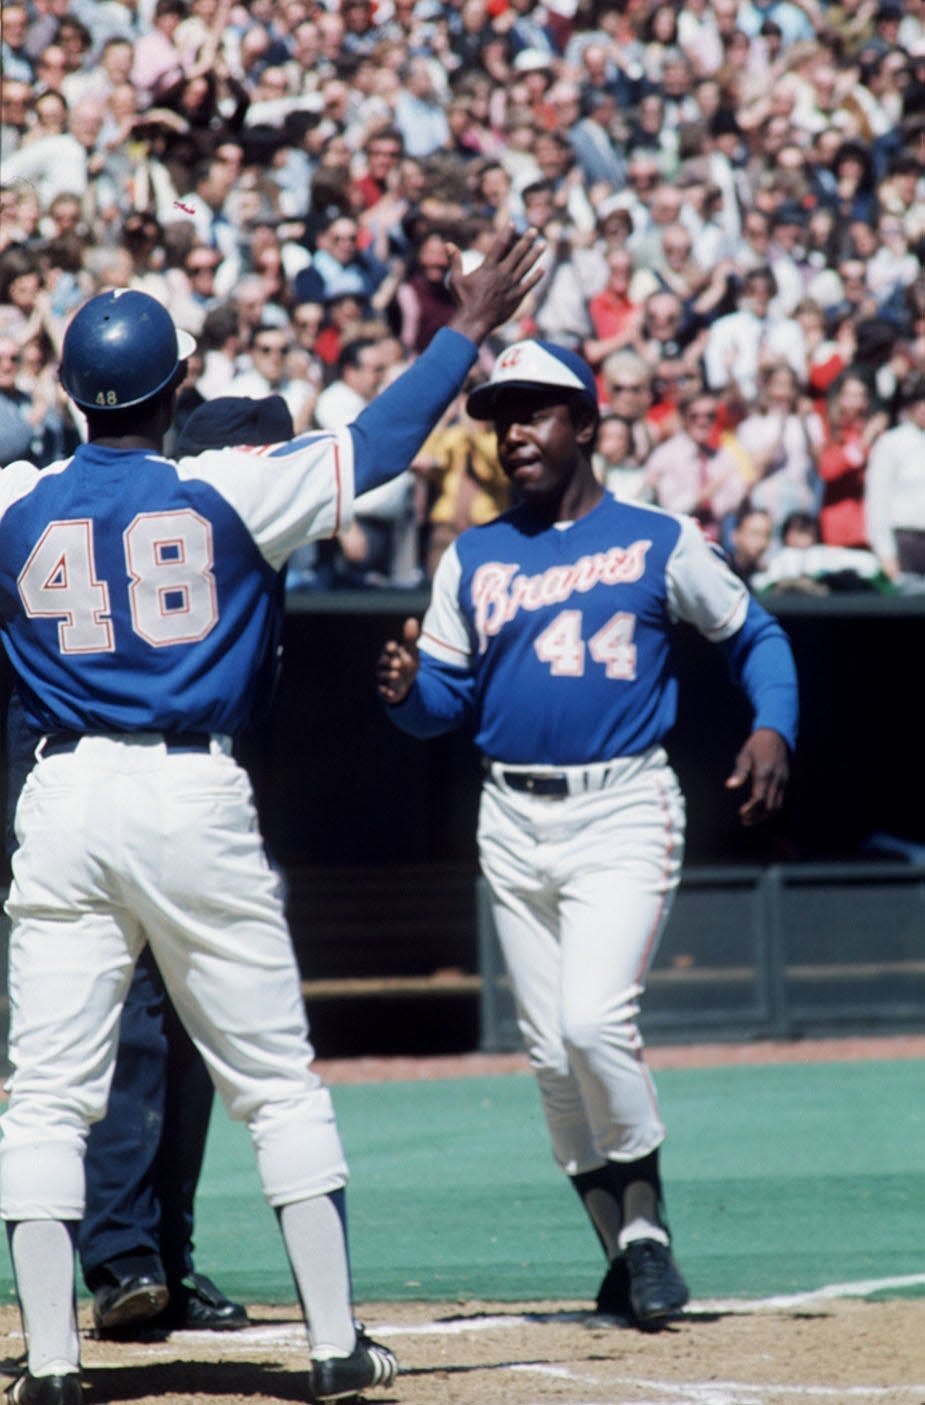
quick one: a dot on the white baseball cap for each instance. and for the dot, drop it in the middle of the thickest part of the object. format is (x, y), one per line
(532, 61)
(533, 365)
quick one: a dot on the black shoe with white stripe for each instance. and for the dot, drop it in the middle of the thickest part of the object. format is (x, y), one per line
(342, 1377)
(45, 1390)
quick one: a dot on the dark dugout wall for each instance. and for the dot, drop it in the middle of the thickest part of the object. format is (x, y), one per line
(341, 785)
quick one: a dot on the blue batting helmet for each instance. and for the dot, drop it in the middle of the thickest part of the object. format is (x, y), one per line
(120, 349)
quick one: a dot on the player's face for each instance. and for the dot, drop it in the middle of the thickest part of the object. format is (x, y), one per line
(539, 445)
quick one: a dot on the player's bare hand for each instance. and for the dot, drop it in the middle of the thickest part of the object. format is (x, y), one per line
(491, 293)
(397, 667)
(764, 763)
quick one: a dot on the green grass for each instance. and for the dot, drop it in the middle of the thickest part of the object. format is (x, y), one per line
(779, 1179)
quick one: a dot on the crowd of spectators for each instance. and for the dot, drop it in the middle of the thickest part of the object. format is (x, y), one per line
(731, 193)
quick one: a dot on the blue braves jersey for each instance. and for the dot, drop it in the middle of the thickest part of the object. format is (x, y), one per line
(139, 594)
(556, 641)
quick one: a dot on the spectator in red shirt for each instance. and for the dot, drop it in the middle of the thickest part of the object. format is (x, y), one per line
(424, 301)
(850, 434)
(343, 312)
(615, 317)
(827, 355)
(384, 151)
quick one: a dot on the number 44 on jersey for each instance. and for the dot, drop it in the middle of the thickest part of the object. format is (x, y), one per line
(561, 646)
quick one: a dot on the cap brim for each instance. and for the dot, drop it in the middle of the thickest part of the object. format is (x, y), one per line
(482, 402)
(186, 344)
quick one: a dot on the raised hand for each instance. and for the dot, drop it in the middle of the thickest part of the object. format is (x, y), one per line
(491, 294)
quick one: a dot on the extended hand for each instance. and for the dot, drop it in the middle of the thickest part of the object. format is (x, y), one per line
(491, 294)
(397, 667)
(764, 761)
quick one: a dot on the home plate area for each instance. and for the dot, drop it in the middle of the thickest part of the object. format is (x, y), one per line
(813, 1349)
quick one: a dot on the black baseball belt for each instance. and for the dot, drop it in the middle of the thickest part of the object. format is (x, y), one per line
(59, 743)
(550, 785)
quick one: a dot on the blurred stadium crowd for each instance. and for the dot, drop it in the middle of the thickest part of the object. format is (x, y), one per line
(732, 195)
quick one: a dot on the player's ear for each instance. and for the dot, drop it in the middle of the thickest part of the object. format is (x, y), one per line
(586, 421)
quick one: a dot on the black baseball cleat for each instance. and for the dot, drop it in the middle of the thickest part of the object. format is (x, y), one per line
(196, 1304)
(45, 1390)
(613, 1296)
(129, 1300)
(342, 1377)
(656, 1288)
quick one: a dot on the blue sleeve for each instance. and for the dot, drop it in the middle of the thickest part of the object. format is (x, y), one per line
(761, 662)
(391, 429)
(440, 700)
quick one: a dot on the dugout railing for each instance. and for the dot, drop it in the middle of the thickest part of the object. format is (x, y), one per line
(780, 952)
(405, 959)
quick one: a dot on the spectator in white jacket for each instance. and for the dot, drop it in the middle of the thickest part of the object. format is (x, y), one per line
(740, 343)
(895, 492)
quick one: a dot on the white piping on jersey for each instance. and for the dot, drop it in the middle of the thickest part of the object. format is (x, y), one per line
(498, 592)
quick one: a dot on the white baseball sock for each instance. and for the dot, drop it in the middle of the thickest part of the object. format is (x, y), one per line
(43, 1262)
(640, 1215)
(313, 1233)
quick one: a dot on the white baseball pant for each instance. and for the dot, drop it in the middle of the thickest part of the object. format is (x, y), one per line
(122, 842)
(581, 889)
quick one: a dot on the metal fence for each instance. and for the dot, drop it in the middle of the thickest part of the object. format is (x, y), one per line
(749, 953)
(766, 953)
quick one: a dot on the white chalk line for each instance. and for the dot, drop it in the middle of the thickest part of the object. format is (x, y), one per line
(863, 1288)
(860, 1289)
(290, 1337)
(720, 1392)
(292, 1334)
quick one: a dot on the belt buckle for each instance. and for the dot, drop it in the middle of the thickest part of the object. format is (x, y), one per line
(553, 787)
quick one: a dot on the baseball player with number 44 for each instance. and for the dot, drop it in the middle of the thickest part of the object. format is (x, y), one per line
(549, 634)
(137, 594)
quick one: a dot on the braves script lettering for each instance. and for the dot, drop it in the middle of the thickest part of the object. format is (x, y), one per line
(498, 592)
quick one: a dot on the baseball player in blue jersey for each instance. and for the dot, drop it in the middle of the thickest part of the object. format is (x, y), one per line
(135, 596)
(144, 1158)
(549, 632)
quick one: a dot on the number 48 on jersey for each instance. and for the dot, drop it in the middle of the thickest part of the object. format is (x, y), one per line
(172, 595)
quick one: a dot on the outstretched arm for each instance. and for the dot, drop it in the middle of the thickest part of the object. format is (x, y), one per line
(389, 432)
(705, 592)
(762, 663)
(425, 697)
(764, 761)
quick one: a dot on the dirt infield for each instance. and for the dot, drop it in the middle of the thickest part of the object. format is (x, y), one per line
(758, 1051)
(812, 1352)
